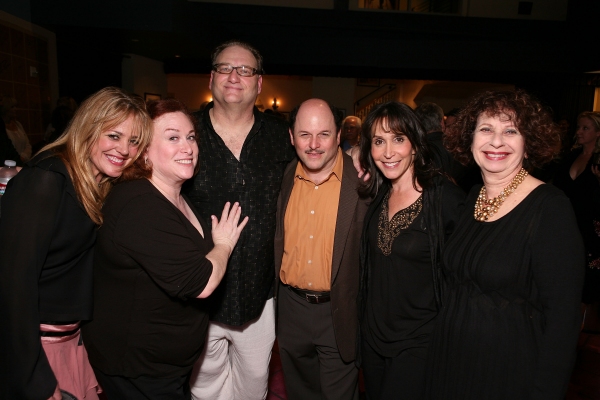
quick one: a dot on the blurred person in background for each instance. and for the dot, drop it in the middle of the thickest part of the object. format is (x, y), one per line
(15, 129)
(350, 132)
(578, 176)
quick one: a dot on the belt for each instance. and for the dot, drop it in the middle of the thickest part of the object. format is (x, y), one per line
(311, 296)
(59, 329)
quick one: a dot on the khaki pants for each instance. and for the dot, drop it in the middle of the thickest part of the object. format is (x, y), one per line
(235, 360)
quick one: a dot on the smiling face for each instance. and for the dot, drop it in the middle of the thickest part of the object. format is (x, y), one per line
(392, 154)
(498, 147)
(316, 138)
(173, 151)
(114, 150)
(232, 89)
(586, 134)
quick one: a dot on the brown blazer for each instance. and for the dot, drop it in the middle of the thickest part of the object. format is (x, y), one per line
(345, 265)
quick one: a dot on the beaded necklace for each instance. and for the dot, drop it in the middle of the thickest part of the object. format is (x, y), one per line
(485, 208)
(388, 230)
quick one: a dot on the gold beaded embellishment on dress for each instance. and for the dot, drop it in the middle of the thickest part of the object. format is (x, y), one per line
(485, 208)
(389, 230)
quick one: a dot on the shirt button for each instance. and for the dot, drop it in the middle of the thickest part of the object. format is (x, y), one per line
(310, 261)
(316, 187)
(309, 284)
(312, 211)
(311, 236)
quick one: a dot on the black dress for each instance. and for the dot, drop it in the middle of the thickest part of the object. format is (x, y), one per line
(511, 317)
(149, 267)
(399, 295)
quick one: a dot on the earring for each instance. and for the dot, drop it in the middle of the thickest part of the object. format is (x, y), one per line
(146, 160)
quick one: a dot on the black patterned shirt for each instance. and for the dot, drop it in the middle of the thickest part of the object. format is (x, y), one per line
(254, 181)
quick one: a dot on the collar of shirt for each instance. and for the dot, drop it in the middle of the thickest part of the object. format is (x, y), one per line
(258, 121)
(337, 170)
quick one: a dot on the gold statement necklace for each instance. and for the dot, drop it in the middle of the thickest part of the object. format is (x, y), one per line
(485, 208)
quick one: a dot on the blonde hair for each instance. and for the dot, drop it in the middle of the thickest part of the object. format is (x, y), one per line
(100, 112)
(593, 116)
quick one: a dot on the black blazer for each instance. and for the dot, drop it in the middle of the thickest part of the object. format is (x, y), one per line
(345, 262)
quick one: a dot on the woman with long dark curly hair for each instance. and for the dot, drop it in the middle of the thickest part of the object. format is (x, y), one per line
(514, 265)
(414, 210)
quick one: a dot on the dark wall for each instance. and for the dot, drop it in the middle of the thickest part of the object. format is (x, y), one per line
(541, 56)
(20, 8)
(87, 63)
(337, 42)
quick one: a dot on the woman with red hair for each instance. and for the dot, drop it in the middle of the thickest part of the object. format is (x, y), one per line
(155, 260)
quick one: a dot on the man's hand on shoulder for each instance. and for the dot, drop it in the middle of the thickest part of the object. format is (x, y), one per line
(354, 152)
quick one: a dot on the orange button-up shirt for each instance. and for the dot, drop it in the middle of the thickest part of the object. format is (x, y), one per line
(309, 230)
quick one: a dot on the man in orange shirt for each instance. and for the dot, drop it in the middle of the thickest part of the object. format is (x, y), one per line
(319, 224)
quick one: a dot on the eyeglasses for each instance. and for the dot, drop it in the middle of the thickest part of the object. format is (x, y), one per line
(242, 70)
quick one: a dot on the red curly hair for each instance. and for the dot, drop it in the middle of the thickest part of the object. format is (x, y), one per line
(533, 121)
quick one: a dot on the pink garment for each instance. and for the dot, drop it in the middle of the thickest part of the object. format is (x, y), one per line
(69, 362)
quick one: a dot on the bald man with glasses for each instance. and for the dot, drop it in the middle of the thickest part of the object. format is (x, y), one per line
(243, 154)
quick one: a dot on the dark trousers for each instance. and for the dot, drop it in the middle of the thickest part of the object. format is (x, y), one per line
(117, 387)
(312, 366)
(400, 378)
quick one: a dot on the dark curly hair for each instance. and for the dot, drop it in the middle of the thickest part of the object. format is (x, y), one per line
(534, 122)
(400, 119)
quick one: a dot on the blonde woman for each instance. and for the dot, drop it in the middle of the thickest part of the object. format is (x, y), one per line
(50, 213)
(578, 176)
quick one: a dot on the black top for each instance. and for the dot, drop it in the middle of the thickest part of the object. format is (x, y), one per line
(150, 266)
(511, 315)
(254, 181)
(400, 289)
(46, 253)
(401, 306)
(584, 193)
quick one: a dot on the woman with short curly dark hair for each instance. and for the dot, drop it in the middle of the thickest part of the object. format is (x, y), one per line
(542, 136)
(514, 265)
